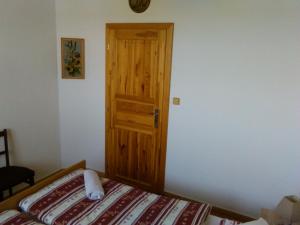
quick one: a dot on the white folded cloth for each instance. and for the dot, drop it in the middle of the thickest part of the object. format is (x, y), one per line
(260, 221)
(93, 186)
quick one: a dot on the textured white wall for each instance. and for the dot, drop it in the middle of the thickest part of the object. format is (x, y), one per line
(234, 141)
(28, 83)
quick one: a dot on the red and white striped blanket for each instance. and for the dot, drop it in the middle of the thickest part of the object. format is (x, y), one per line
(13, 217)
(65, 202)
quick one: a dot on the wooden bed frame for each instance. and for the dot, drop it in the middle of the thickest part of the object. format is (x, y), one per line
(13, 202)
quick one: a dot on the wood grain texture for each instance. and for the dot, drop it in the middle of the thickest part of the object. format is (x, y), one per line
(136, 26)
(12, 202)
(138, 73)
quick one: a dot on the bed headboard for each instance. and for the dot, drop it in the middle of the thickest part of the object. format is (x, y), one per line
(12, 202)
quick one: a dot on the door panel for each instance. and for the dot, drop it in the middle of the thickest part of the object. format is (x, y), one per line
(138, 59)
(136, 62)
(135, 159)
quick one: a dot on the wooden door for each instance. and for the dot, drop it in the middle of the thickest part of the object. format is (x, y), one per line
(138, 70)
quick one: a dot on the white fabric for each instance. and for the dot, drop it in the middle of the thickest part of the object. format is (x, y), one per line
(260, 221)
(215, 220)
(93, 186)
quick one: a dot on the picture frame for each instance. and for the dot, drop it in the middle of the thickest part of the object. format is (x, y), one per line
(72, 58)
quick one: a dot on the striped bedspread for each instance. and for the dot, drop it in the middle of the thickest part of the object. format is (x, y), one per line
(65, 202)
(13, 217)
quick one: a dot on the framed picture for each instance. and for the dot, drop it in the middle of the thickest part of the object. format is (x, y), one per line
(72, 58)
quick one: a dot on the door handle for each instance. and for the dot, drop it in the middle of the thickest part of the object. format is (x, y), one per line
(156, 118)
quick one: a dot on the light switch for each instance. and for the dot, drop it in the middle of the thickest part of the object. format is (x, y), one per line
(176, 101)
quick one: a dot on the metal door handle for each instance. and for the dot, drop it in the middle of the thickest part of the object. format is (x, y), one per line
(156, 117)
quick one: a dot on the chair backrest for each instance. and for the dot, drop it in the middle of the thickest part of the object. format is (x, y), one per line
(3, 134)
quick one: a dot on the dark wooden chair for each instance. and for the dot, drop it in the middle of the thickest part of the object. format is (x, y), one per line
(12, 175)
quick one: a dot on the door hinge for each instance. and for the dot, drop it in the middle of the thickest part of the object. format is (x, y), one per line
(107, 47)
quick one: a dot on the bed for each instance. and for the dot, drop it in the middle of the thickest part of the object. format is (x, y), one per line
(215, 220)
(60, 199)
(14, 217)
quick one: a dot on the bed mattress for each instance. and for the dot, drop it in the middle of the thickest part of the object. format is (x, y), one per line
(65, 202)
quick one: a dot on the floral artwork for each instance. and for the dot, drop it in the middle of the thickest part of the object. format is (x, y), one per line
(72, 57)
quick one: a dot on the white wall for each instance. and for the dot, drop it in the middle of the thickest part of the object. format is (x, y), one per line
(234, 141)
(28, 83)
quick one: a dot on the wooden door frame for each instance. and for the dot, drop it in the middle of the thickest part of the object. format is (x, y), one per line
(162, 149)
